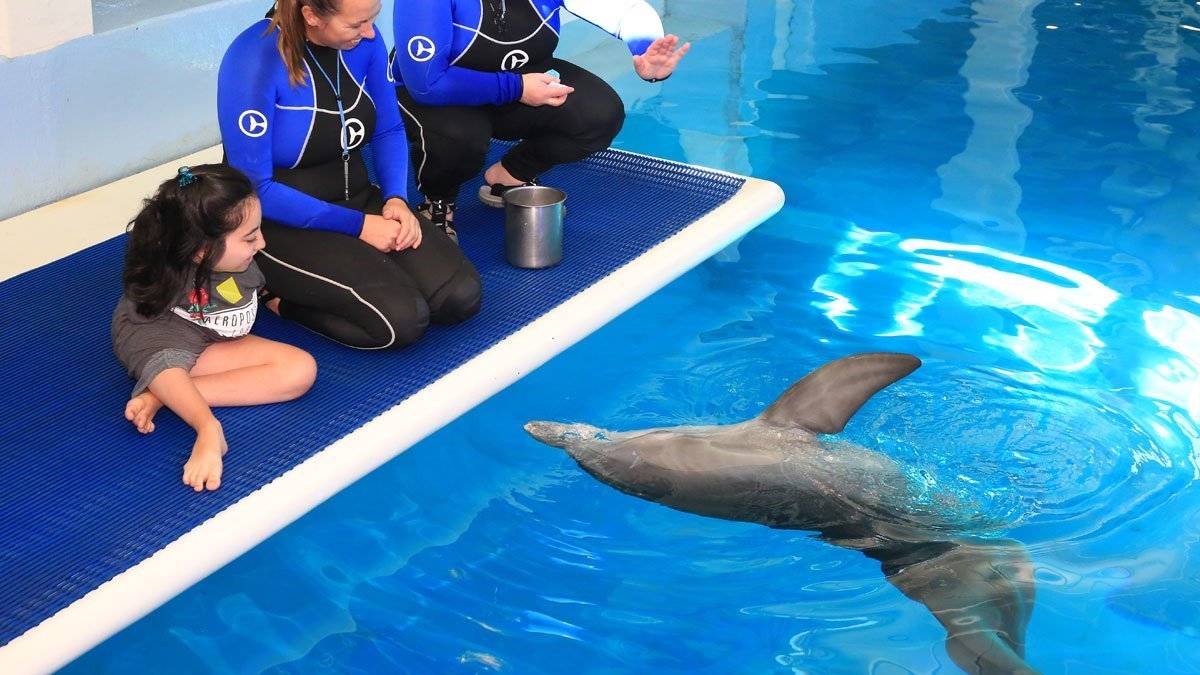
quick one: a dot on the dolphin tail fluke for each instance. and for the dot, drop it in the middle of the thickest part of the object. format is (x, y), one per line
(982, 592)
(829, 396)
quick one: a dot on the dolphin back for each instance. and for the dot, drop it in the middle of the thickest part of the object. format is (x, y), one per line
(825, 400)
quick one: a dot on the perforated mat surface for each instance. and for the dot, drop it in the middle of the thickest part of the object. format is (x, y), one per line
(83, 497)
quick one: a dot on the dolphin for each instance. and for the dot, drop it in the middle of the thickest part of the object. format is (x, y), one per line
(778, 471)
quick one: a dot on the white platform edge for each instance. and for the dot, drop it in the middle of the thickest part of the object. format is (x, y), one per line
(144, 587)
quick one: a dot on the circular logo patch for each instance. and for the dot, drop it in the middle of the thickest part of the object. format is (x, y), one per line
(253, 123)
(353, 133)
(513, 60)
(420, 48)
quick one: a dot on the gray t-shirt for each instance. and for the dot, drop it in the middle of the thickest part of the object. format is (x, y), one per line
(224, 310)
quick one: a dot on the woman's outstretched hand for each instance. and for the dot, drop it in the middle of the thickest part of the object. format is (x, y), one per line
(660, 58)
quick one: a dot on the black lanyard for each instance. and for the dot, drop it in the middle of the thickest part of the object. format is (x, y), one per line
(498, 17)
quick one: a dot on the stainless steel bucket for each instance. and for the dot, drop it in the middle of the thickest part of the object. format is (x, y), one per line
(533, 220)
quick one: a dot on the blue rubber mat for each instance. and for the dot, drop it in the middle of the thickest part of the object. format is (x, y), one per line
(84, 497)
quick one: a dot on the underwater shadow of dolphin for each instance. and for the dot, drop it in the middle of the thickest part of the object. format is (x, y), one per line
(773, 470)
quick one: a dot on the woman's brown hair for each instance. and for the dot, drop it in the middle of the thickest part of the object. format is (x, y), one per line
(290, 22)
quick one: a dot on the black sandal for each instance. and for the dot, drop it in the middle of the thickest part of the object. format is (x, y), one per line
(439, 210)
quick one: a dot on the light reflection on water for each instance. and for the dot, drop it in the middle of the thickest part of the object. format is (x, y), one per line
(1050, 307)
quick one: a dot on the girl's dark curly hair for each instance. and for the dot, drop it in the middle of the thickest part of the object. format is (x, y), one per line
(180, 234)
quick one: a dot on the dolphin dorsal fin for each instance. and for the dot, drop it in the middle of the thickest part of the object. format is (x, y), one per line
(829, 396)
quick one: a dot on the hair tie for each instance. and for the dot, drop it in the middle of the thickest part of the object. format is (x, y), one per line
(186, 177)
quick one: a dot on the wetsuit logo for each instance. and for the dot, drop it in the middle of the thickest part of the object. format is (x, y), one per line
(253, 123)
(420, 48)
(353, 133)
(513, 60)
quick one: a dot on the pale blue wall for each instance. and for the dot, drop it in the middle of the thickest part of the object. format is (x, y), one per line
(109, 105)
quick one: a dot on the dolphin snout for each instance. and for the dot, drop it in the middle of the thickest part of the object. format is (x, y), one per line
(549, 433)
(565, 436)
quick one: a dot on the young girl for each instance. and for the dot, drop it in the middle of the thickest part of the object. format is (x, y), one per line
(191, 296)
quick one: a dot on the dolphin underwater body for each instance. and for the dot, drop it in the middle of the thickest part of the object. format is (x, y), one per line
(775, 471)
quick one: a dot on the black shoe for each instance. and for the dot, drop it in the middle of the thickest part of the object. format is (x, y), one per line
(493, 195)
(437, 211)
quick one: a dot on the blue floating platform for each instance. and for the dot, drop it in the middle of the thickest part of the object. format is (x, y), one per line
(97, 528)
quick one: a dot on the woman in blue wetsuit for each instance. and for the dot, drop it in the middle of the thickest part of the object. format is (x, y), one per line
(299, 94)
(470, 70)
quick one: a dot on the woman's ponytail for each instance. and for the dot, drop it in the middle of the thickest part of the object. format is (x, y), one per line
(289, 20)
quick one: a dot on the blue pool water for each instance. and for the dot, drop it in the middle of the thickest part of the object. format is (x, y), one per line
(1006, 188)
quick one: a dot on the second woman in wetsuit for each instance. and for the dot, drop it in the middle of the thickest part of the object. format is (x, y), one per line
(468, 71)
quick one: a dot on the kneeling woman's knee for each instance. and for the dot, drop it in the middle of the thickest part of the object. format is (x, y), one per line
(616, 117)
(410, 326)
(459, 299)
(405, 317)
(603, 116)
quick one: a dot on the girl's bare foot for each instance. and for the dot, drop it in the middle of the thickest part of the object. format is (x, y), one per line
(141, 410)
(203, 468)
(271, 301)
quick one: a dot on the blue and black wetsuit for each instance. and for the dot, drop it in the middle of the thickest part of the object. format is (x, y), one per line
(289, 141)
(458, 67)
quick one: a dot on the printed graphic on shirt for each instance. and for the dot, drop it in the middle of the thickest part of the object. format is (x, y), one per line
(229, 290)
(229, 323)
(198, 303)
(228, 307)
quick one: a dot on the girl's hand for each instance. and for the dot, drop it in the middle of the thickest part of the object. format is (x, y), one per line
(543, 89)
(380, 232)
(409, 235)
(660, 58)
